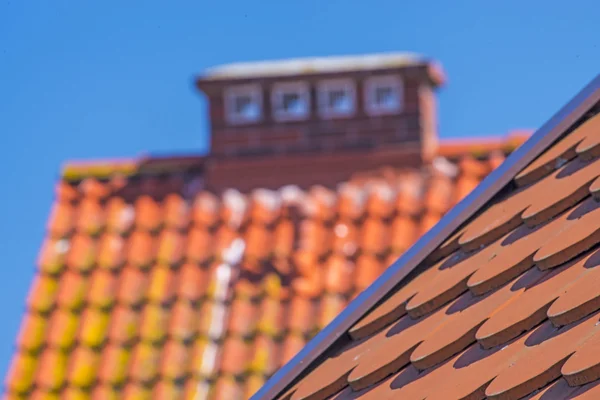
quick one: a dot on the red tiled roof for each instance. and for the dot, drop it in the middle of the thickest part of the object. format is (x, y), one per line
(141, 291)
(508, 309)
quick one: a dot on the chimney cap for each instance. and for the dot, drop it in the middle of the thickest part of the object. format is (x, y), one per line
(319, 65)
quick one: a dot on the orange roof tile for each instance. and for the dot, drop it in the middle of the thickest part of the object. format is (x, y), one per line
(134, 291)
(508, 310)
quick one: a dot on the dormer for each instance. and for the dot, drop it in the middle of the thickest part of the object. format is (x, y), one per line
(376, 109)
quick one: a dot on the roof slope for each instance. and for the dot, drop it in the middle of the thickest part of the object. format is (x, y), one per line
(508, 307)
(140, 292)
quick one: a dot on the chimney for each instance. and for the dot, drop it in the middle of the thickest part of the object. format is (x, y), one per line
(318, 120)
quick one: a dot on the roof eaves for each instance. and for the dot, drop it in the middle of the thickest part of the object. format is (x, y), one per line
(395, 275)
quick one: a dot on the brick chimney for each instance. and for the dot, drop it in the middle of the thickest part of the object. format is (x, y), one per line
(318, 120)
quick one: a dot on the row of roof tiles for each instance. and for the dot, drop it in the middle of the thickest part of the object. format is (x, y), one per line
(135, 296)
(510, 310)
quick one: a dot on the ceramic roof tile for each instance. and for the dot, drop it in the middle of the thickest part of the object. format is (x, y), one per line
(110, 251)
(124, 325)
(508, 308)
(112, 368)
(173, 365)
(63, 329)
(133, 286)
(32, 332)
(130, 293)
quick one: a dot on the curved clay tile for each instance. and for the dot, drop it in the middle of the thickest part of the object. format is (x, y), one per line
(539, 365)
(582, 140)
(243, 318)
(531, 308)
(392, 308)
(234, 356)
(534, 204)
(93, 188)
(284, 238)
(141, 249)
(368, 268)
(132, 286)
(205, 211)
(449, 283)
(66, 192)
(331, 376)
(51, 259)
(375, 236)
(301, 315)
(82, 253)
(32, 332)
(513, 255)
(124, 326)
(102, 289)
(61, 220)
(62, 330)
(90, 217)
(42, 294)
(331, 306)
(173, 364)
(120, 215)
(162, 285)
(83, 367)
(583, 366)
(110, 251)
(176, 212)
(467, 314)
(321, 204)
(266, 207)
(73, 290)
(581, 298)
(148, 214)
(381, 201)
(183, 322)
(377, 361)
(154, 321)
(339, 274)
(112, 369)
(52, 370)
(171, 247)
(235, 211)
(574, 238)
(352, 202)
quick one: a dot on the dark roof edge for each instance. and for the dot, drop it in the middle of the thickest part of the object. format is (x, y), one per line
(492, 184)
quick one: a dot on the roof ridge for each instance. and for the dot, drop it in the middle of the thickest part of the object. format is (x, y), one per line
(393, 277)
(74, 171)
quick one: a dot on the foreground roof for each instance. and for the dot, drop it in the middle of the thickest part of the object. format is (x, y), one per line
(148, 286)
(506, 307)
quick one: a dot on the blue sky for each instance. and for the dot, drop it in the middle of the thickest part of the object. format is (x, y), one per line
(98, 79)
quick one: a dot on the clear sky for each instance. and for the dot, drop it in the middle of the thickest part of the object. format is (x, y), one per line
(103, 79)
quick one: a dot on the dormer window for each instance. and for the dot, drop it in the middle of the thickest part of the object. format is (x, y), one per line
(243, 104)
(290, 101)
(383, 95)
(337, 98)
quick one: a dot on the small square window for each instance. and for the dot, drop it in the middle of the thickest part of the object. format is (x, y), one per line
(383, 95)
(243, 104)
(290, 101)
(336, 98)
